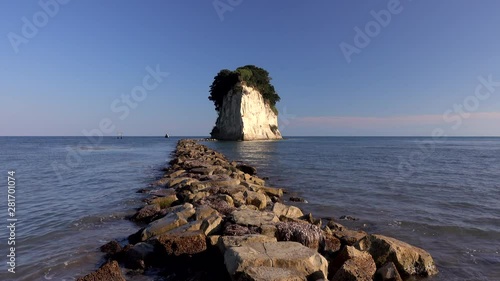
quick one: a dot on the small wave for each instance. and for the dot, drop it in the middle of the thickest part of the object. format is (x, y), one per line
(95, 220)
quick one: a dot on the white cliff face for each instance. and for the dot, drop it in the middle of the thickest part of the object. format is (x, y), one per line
(246, 116)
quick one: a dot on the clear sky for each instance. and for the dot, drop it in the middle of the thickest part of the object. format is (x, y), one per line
(65, 67)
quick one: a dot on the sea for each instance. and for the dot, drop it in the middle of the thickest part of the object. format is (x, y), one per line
(73, 194)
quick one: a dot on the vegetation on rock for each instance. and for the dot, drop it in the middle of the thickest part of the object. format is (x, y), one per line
(249, 75)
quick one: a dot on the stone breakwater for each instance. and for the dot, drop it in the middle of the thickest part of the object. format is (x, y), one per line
(212, 219)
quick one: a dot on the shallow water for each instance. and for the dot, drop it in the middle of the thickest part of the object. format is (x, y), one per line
(449, 205)
(63, 221)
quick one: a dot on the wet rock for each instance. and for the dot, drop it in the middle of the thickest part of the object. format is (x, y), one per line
(161, 182)
(272, 191)
(163, 202)
(111, 248)
(162, 192)
(287, 211)
(256, 199)
(176, 174)
(304, 233)
(178, 243)
(353, 264)
(162, 225)
(409, 260)
(253, 180)
(310, 219)
(335, 226)
(177, 217)
(348, 218)
(349, 237)
(247, 169)
(286, 255)
(298, 199)
(138, 256)
(110, 271)
(146, 213)
(253, 217)
(388, 272)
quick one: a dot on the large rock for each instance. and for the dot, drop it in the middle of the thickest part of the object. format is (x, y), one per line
(256, 199)
(354, 265)
(138, 255)
(225, 242)
(349, 237)
(204, 211)
(245, 115)
(178, 243)
(212, 224)
(266, 273)
(164, 202)
(146, 213)
(409, 260)
(287, 255)
(109, 272)
(253, 217)
(177, 217)
(111, 248)
(388, 272)
(247, 169)
(287, 211)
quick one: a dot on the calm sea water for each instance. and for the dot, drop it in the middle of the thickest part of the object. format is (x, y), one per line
(443, 197)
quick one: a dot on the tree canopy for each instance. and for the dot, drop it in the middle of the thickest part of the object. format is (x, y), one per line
(249, 75)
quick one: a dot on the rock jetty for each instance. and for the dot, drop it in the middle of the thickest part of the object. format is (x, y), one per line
(209, 218)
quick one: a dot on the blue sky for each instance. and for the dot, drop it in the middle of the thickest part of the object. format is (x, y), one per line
(408, 80)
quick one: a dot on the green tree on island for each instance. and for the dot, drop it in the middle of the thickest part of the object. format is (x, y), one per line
(249, 75)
